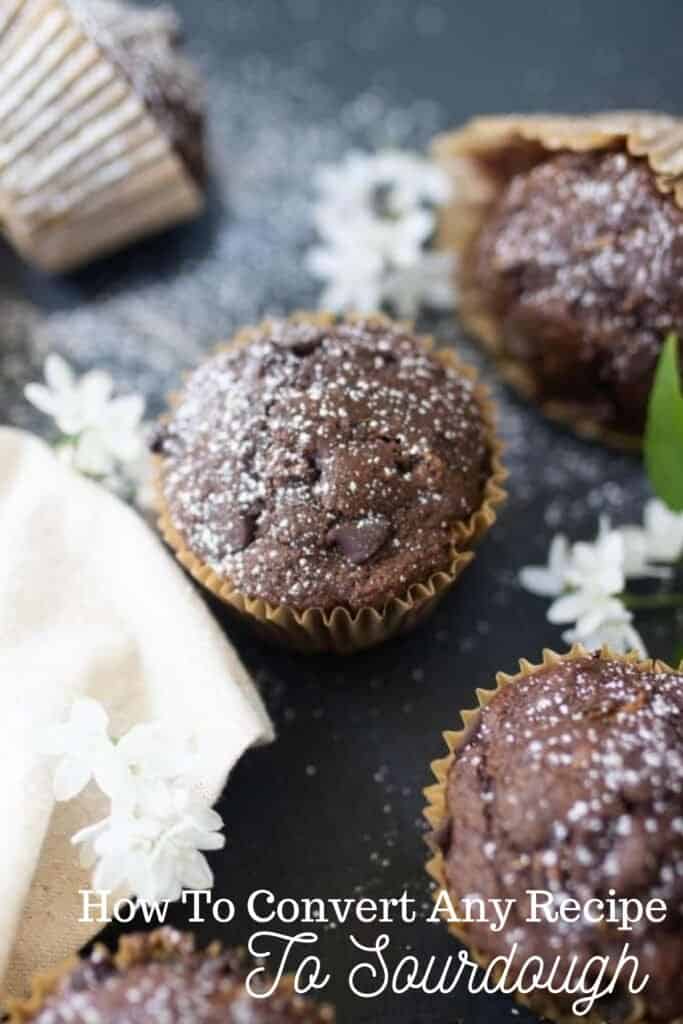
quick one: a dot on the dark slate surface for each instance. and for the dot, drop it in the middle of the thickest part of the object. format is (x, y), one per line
(333, 808)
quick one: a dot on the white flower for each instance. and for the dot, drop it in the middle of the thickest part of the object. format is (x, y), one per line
(73, 403)
(659, 540)
(156, 857)
(353, 278)
(429, 282)
(584, 579)
(594, 575)
(113, 439)
(396, 241)
(375, 217)
(82, 743)
(414, 180)
(637, 554)
(598, 567)
(664, 532)
(154, 837)
(101, 434)
(549, 580)
(388, 184)
(589, 609)
(587, 580)
(158, 767)
(617, 633)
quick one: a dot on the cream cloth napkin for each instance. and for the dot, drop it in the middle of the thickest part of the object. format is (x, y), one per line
(90, 604)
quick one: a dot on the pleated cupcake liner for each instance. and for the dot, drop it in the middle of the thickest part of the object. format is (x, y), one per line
(343, 630)
(437, 815)
(481, 158)
(162, 945)
(84, 167)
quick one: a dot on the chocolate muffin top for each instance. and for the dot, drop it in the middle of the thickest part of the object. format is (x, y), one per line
(581, 260)
(572, 782)
(324, 464)
(143, 44)
(161, 978)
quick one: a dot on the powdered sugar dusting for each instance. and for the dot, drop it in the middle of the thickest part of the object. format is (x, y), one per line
(575, 774)
(324, 464)
(169, 983)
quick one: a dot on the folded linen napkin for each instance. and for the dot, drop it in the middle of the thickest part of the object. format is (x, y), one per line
(90, 605)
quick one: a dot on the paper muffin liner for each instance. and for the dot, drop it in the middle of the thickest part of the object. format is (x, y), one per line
(481, 158)
(341, 630)
(143, 948)
(436, 813)
(84, 168)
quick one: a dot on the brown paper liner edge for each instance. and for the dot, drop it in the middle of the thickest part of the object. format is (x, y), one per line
(132, 950)
(338, 629)
(63, 242)
(436, 810)
(644, 134)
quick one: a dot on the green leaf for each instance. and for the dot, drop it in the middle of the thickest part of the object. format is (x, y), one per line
(664, 433)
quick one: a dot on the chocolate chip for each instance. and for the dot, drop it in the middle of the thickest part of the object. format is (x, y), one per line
(239, 532)
(359, 541)
(157, 439)
(91, 973)
(301, 339)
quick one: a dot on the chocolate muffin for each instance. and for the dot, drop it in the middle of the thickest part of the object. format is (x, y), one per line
(327, 465)
(102, 131)
(144, 44)
(581, 262)
(160, 977)
(570, 781)
(572, 264)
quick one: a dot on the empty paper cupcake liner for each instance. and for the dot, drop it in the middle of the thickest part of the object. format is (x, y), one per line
(436, 814)
(84, 168)
(164, 944)
(342, 630)
(481, 158)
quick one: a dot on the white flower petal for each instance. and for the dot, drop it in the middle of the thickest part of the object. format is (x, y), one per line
(540, 581)
(56, 739)
(95, 389)
(41, 398)
(558, 558)
(89, 717)
(664, 532)
(112, 776)
(208, 819)
(596, 615)
(617, 634)
(550, 580)
(196, 873)
(58, 374)
(91, 833)
(109, 874)
(150, 879)
(72, 775)
(568, 608)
